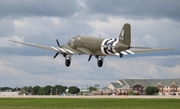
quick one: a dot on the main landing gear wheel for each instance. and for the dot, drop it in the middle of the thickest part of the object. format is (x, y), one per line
(100, 63)
(67, 62)
(100, 60)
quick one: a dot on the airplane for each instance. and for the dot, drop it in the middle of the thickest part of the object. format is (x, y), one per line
(96, 46)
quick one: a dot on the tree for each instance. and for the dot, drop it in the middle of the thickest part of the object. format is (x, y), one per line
(151, 90)
(22, 92)
(42, 91)
(131, 92)
(2, 89)
(64, 88)
(29, 89)
(35, 90)
(5, 89)
(25, 89)
(91, 88)
(74, 90)
(48, 88)
(59, 89)
(16, 89)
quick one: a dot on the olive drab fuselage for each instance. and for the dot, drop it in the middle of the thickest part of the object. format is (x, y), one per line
(97, 46)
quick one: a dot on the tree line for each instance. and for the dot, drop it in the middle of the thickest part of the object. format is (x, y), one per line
(47, 90)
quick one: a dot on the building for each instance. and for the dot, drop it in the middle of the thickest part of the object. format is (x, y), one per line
(165, 86)
(9, 93)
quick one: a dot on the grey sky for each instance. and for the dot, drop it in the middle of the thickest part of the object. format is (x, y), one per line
(21, 8)
(136, 8)
(154, 24)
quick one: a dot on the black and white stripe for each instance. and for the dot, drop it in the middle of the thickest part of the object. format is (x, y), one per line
(110, 43)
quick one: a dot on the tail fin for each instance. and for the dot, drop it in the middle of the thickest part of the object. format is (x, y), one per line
(125, 35)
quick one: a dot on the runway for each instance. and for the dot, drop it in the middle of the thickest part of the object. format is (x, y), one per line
(97, 96)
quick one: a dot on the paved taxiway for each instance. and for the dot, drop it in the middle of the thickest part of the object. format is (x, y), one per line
(129, 96)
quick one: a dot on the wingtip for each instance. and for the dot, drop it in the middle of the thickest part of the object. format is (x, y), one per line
(9, 40)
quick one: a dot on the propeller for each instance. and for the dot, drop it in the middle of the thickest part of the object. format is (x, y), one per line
(58, 46)
(58, 43)
(89, 57)
(56, 55)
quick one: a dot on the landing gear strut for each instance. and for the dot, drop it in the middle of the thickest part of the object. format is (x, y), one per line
(100, 60)
(68, 60)
(121, 55)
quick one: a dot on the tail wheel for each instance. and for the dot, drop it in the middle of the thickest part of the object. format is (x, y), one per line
(100, 63)
(67, 62)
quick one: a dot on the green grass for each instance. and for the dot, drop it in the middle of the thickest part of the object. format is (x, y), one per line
(88, 103)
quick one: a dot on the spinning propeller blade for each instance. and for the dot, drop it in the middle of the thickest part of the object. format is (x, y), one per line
(58, 46)
(57, 42)
(56, 55)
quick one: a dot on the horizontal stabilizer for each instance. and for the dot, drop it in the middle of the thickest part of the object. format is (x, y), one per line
(150, 50)
(126, 52)
(140, 47)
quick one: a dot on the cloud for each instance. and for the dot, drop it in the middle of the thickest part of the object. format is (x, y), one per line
(6, 27)
(21, 8)
(136, 9)
(146, 67)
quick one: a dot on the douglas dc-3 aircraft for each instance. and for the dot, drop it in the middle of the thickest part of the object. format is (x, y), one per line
(98, 47)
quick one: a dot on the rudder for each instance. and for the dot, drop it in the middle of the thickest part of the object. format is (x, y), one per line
(125, 35)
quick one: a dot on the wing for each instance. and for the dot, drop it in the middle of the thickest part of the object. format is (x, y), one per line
(61, 49)
(84, 50)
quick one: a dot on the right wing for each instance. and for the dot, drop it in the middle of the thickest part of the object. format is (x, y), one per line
(62, 49)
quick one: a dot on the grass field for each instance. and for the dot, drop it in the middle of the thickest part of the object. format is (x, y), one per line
(88, 103)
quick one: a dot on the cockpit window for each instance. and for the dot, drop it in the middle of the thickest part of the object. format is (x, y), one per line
(71, 42)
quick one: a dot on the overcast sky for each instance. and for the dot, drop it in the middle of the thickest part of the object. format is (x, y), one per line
(154, 24)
